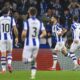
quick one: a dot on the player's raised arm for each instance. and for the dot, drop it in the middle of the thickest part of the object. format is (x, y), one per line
(43, 34)
(24, 32)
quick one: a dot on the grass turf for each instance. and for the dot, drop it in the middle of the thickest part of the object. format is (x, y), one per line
(42, 75)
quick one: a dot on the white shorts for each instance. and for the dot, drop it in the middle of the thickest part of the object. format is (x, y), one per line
(74, 46)
(6, 45)
(59, 46)
(29, 52)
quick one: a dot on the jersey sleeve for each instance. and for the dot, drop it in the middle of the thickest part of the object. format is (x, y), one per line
(73, 27)
(13, 22)
(42, 27)
(25, 25)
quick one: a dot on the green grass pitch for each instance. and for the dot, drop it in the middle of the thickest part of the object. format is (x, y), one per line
(42, 75)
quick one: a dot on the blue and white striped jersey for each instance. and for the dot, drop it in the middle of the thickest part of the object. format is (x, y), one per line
(75, 31)
(33, 27)
(55, 29)
(6, 24)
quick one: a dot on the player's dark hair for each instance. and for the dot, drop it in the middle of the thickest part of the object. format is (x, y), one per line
(32, 11)
(75, 18)
(56, 17)
(66, 9)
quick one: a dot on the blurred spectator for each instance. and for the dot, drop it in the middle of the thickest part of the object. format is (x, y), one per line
(57, 4)
(74, 8)
(54, 4)
(1, 4)
(1, 1)
(51, 3)
(23, 6)
(46, 17)
(42, 7)
(64, 4)
(33, 3)
(66, 19)
(56, 12)
(8, 6)
(14, 6)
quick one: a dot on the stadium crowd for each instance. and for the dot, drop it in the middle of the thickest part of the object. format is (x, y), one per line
(63, 9)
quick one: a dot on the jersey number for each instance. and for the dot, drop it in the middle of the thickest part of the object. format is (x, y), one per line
(34, 32)
(6, 27)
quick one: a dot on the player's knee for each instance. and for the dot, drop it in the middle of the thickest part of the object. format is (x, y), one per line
(64, 52)
(56, 51)
(27, 60)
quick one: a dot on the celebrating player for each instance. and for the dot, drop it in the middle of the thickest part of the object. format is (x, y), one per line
(58, 41)
(31, 33)
(7, 24)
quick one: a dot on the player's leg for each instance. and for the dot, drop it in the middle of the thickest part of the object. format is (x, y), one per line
(34, 63)
(9, 55)
(55, 60)
(71, 54)
(26, 56)
(55, 57)
(64, 50)
(3, 55)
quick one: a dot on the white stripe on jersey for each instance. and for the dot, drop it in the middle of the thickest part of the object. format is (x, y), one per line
(6, 24)
(33, 27)
(55, 29)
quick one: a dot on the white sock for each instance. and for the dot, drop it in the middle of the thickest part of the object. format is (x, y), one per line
(33, 73)
(30, 59)
(9, 58)
(54, 64)
(3, 63)
(4, 67)
(55, 57)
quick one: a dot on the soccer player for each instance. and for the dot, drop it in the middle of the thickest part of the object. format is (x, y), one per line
(7, 24)
(76, 41)
(33, 30)
(58, 41)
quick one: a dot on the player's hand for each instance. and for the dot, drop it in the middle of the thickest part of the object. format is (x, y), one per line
(16, 41)
(76, 41)
(59, 33)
